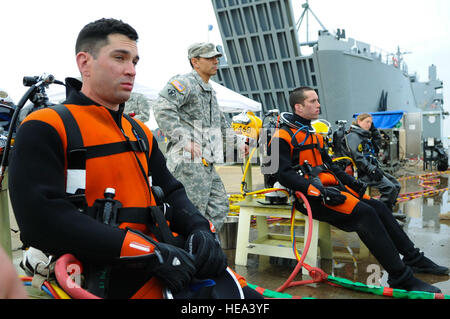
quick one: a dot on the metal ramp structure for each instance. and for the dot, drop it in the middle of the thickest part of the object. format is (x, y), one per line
(262, 49)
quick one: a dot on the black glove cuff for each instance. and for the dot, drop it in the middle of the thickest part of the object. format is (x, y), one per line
(210, 260)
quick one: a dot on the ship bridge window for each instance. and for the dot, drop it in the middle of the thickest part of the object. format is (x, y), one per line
(270, 48)
(219, 4)
(283, 46)
(290, 19)
(281, 101)
(257, 49)
(289, 74)
(263, 16)
(311, 65)
(263, 77)
(251, 78)
(228, 82)
(249, 18)
(237, 22)
(233, 52)
(302, 72)
(276, 76)
(225, 23)
(277, 16)
(269, 100)
(244, 50)
(296, 48)
(240, 79)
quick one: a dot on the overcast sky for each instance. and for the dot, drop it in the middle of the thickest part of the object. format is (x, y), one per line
(39, 36)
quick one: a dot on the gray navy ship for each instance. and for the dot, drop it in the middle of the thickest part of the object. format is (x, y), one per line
(263, 60)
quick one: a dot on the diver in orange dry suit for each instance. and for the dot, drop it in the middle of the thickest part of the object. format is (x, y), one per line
(69, 157)
(337, 198)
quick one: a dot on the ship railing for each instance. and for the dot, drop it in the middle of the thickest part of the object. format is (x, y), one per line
(383, 56)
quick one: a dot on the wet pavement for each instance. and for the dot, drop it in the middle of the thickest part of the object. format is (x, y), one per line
(427, 223)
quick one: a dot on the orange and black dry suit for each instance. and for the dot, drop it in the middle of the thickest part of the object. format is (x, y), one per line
(43, 177)
(370, 218)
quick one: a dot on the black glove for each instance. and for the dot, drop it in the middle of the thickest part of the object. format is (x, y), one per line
(332, 196)
(376, 138)
(376, 174)
(359, 187)
(175, 267)
(209, 258)
(314, 193)
(170, 264)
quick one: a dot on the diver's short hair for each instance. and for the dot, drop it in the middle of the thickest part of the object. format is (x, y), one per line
(298, 96)
(94, 35)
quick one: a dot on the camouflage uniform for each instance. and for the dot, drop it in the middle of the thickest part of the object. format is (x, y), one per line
(187, 110)
(7, 108)
(139, 105)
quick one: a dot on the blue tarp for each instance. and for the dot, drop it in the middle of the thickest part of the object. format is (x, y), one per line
(384, 120)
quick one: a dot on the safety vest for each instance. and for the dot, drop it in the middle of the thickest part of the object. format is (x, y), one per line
(307, 147)
(95, 150)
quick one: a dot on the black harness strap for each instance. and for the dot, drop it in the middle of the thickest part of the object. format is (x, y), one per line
(140, 135)
(297, 147)
(143, 146)
(136, 215)
(77, 153)
(111, 149)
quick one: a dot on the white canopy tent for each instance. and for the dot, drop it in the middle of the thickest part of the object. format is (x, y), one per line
(229, 100)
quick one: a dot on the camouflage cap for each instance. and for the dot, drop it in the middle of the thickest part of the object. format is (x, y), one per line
(203, 50)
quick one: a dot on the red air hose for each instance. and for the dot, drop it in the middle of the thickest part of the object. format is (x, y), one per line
(67, 283)
(317, 274)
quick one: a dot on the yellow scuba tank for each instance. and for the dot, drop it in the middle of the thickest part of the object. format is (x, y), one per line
(322, 127)
(247, 124)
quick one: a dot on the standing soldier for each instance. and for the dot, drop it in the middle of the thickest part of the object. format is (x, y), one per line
(188, 114)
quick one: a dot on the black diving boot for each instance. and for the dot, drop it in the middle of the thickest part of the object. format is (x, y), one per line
(408, 282)
(421, 264)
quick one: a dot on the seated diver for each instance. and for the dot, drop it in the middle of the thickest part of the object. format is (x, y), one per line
(361, 146)
(339, 199)
(82, 181)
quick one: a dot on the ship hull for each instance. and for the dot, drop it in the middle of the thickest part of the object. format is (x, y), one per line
(350, 84)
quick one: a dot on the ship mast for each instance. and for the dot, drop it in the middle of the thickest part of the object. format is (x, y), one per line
(306, 11)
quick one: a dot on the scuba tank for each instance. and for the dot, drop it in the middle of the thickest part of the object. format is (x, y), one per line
(271, 123)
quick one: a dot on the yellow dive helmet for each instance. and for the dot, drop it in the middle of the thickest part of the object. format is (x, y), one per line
(247, 124)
